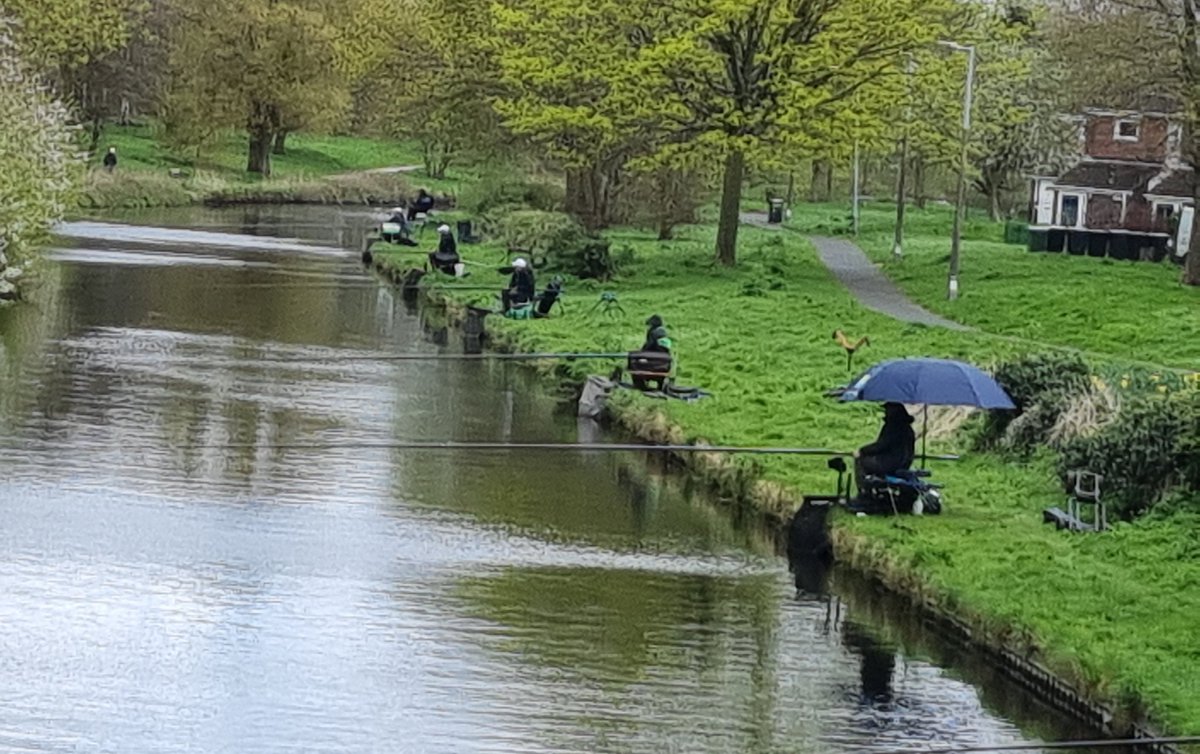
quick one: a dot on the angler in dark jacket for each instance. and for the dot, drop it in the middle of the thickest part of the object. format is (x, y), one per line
(521, 286)
(656, 336)
(446, 255)
(423, 204)
(892, 451)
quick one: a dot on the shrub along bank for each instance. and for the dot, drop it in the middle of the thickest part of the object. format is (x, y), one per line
(1114, 614)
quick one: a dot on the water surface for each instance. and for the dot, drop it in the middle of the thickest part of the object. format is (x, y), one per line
(166, 594)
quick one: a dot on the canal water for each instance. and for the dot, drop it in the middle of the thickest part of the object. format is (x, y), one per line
(166, 592)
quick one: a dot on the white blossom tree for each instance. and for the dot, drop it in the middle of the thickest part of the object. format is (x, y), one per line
(40, 161)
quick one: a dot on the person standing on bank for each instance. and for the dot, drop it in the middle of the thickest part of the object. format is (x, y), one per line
(110, 159)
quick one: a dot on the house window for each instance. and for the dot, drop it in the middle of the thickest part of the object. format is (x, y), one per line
(1069, 210)
(1127, 129)
(1163, 217)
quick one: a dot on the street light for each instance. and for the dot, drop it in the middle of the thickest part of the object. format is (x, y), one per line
(960, 205)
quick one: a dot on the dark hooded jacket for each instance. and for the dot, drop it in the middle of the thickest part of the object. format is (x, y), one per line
(895, 447)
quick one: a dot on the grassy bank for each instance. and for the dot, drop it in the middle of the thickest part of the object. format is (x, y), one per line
(1114, 614)
(313, 169)
(1097, 305)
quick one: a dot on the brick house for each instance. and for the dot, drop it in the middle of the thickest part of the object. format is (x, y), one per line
(1129, 196)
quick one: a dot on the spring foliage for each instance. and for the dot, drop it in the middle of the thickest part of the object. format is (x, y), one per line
(39, 161)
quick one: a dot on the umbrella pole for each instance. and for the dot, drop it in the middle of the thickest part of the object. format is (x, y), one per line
(924, 435)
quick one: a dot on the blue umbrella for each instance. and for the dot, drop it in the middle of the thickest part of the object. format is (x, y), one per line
(936, 382)
(933, 382)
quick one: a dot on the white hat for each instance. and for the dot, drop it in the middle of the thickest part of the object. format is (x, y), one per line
(519, 262)
(443, 229)
(397, 210)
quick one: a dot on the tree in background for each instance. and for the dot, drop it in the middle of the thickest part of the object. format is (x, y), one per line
(437, 82)
(1117, 51)
(570, 72)
(268, 66)
(39, 161)
(748, 78)
(88, 50)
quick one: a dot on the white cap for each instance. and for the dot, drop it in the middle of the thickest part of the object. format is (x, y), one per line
(443, 229)
(397, 210)
(519, 262)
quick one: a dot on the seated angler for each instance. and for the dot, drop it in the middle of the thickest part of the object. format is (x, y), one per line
(396, 218)
(521, 286)
(891, 452)
(446, 257)
(422, 205)
(656, 336)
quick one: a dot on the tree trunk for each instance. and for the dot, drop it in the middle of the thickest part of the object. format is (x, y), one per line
(731, 200)
(994, 211)
(1191, 262)
(280, 142)
(589, 194)
(919, 196)
(814, 186)
(666, 228)
(828, 180)
(259, 160)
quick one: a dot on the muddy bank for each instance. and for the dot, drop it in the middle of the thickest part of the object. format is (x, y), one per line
(1014, 652)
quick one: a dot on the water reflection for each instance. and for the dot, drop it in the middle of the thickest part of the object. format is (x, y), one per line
(165, 594)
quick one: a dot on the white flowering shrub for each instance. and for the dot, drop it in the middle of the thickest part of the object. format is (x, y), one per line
(40, 160)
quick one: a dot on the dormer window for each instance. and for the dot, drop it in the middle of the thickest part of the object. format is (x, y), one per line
(1127, 129)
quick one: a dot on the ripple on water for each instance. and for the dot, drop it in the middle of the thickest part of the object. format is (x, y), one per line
(164, 594)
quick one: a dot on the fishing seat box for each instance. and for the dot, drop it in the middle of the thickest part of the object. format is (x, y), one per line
(649, 364)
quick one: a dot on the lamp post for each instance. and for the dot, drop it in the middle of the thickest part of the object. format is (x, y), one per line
(901, 199)
(960, 205)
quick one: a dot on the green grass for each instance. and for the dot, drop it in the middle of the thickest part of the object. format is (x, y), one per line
(1114, 612)
(312, 167)
(1131, 310)
(141, 148)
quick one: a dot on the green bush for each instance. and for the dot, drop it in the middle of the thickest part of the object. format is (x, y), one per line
(497, 194)
(1041, 385)
(1149, 449)
(560, 242)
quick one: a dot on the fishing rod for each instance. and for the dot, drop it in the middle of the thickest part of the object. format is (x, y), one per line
(544, 446)
(1103, 743)
(446, 357)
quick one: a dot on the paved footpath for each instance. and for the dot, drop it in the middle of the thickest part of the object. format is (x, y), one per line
(862, 278)
(871, 287)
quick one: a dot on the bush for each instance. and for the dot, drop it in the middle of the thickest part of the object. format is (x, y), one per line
(560, 241)
(1042, 386)
(499, 193)
(1149, 449)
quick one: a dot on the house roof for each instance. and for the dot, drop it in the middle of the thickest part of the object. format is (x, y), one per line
(1115, 176)
(1180, 182)
(1139, 103)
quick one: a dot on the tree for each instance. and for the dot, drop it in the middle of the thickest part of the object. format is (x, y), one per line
(39, 162)
(570, 72)
(1133, 52)
(86, 50)
(437, 82)
(752, 76)
(265, 65)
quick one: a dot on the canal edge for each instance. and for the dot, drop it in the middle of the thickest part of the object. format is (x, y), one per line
(1057, 683)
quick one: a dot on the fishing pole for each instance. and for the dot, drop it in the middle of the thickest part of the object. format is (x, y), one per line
(445, 357)
(543, 446)
(1104, 743)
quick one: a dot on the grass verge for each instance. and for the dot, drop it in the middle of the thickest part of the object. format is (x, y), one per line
(1130, 310)
(314, 169)
(1114, 614)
